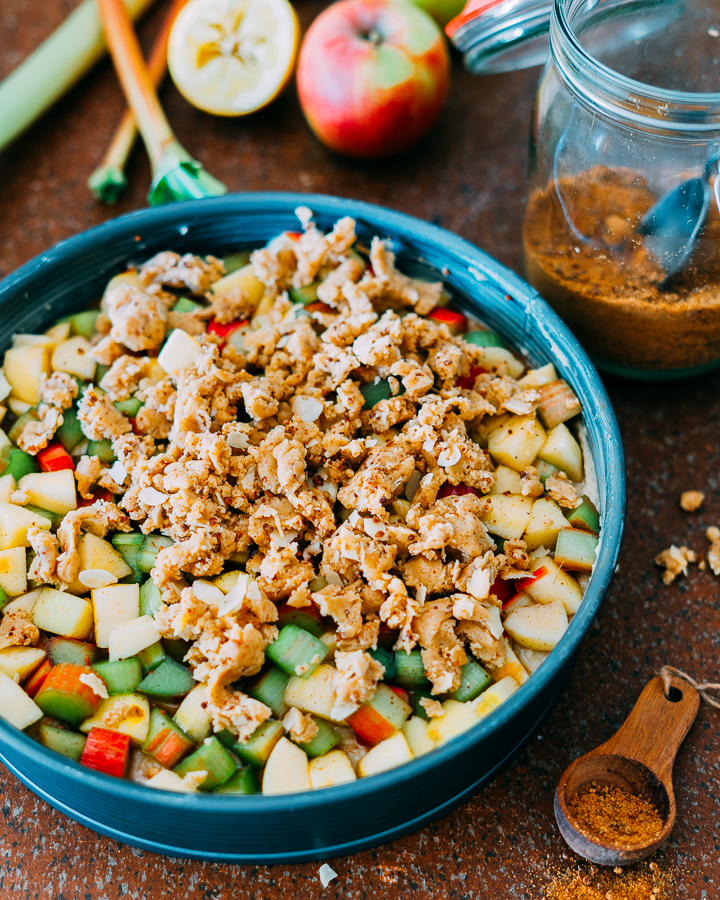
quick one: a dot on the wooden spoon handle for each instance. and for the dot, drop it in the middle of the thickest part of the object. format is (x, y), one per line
(656, 727)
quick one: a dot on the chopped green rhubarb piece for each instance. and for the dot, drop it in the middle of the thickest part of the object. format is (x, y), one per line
(129, 407)
(19, 463)
(121, 676)
(256, 749)
(70, 433)
(558, 403)
(150, 600)
(166, 741)
(484, 339)
(473, 681)
(296, 651)
(83, 323)
(244, 781)
(576, 550)
(185, 305)
(210, 757)
(236, 261)
(63, 695)
(100, 373)
(318, 583)
(4, 597)
(67, 743)
(151, 657)
(55, 517)
(386, 658)
(306, 294)
(170, 679)
(586, 517)
(68, 650)
(103, 450)
(545, 470)
(376, 391)
(418, 708)
(289, 615)
(409, 669)
(128, 546)
(18, 427)
(269, 688)
(325, 739)
(176, 648)
(151, 546)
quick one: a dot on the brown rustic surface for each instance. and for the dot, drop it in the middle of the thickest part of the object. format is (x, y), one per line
(469, 177)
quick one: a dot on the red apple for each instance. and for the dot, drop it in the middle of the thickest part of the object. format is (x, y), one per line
(372, 76)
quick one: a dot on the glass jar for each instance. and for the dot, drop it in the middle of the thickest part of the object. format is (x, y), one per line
(628, 108)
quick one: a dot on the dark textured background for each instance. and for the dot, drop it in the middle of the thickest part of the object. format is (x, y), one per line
(469, 177)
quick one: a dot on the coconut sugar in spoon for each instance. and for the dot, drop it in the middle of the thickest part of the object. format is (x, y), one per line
(639, 759)
(672, 225)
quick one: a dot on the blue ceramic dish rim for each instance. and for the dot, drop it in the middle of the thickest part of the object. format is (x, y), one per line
(570, 358)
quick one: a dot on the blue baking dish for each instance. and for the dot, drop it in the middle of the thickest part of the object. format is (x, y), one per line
(350, 817)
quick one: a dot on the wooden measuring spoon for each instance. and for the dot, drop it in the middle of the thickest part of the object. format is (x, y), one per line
(638, 758)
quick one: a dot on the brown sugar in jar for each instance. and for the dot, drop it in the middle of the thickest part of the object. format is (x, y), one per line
(601, 279)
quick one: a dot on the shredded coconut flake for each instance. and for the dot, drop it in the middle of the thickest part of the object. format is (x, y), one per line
(326, 874)
(150, 497)
(208, 593)
(118, 472)
(95, 683)
(235, 597)
(308, 408)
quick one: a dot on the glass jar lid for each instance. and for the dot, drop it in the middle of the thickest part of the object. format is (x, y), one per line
(501, 35)
(504, 35)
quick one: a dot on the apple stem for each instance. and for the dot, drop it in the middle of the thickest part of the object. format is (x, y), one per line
(374, 37)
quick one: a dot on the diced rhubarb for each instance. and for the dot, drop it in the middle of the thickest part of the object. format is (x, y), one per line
(97, 494)
(558, 403)
(106, 751)
(64, 696)
(401, 692)
(224, 330)
(35, 681)
(307, 617)
(54, 458)
(455, 321)
(467, 382)
(457, 490)
(166, 741)
(380, 717)
(502, 590)
(320, 307)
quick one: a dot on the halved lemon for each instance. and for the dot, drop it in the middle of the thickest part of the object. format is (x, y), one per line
(231, 57)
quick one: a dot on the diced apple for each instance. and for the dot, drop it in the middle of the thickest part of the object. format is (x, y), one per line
(96, 553)
(179, 351)
(20, 661)
(14, 524)
(32, 340)
(315, 694)
(511, 667)
(502, 361)
(562, 450)
(54, 491)
(7, 484)
(18, 407)
(332, 768)
(538, 377)
(63, 613)
(392, 752)
(522, 598)
(507, 481)
(166, 780)
(531, 659)
(73, 356)
(59, 332)
(458, 717)
(23, 605)
(227, 580)
(555, 584)
(15, 706)
(112, 606)
(241, 282)
(516, 443)
(494, 696)
(545, 522)
(131, 277)
(13, 571)
(538, 627)
(25, 368)
(482, 431)
(507, 515)
(287, 770)
(129, 638)
(416, 734)
(193, 716)
(126, 713)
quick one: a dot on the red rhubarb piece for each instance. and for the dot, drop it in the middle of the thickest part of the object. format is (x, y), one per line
(106, 751)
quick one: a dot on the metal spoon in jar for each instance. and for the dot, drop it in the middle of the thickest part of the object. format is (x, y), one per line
(637, 759)
(671, 227)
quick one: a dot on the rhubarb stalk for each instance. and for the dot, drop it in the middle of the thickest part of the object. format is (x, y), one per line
(176, 176)
(108, 181)
(54, 67)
